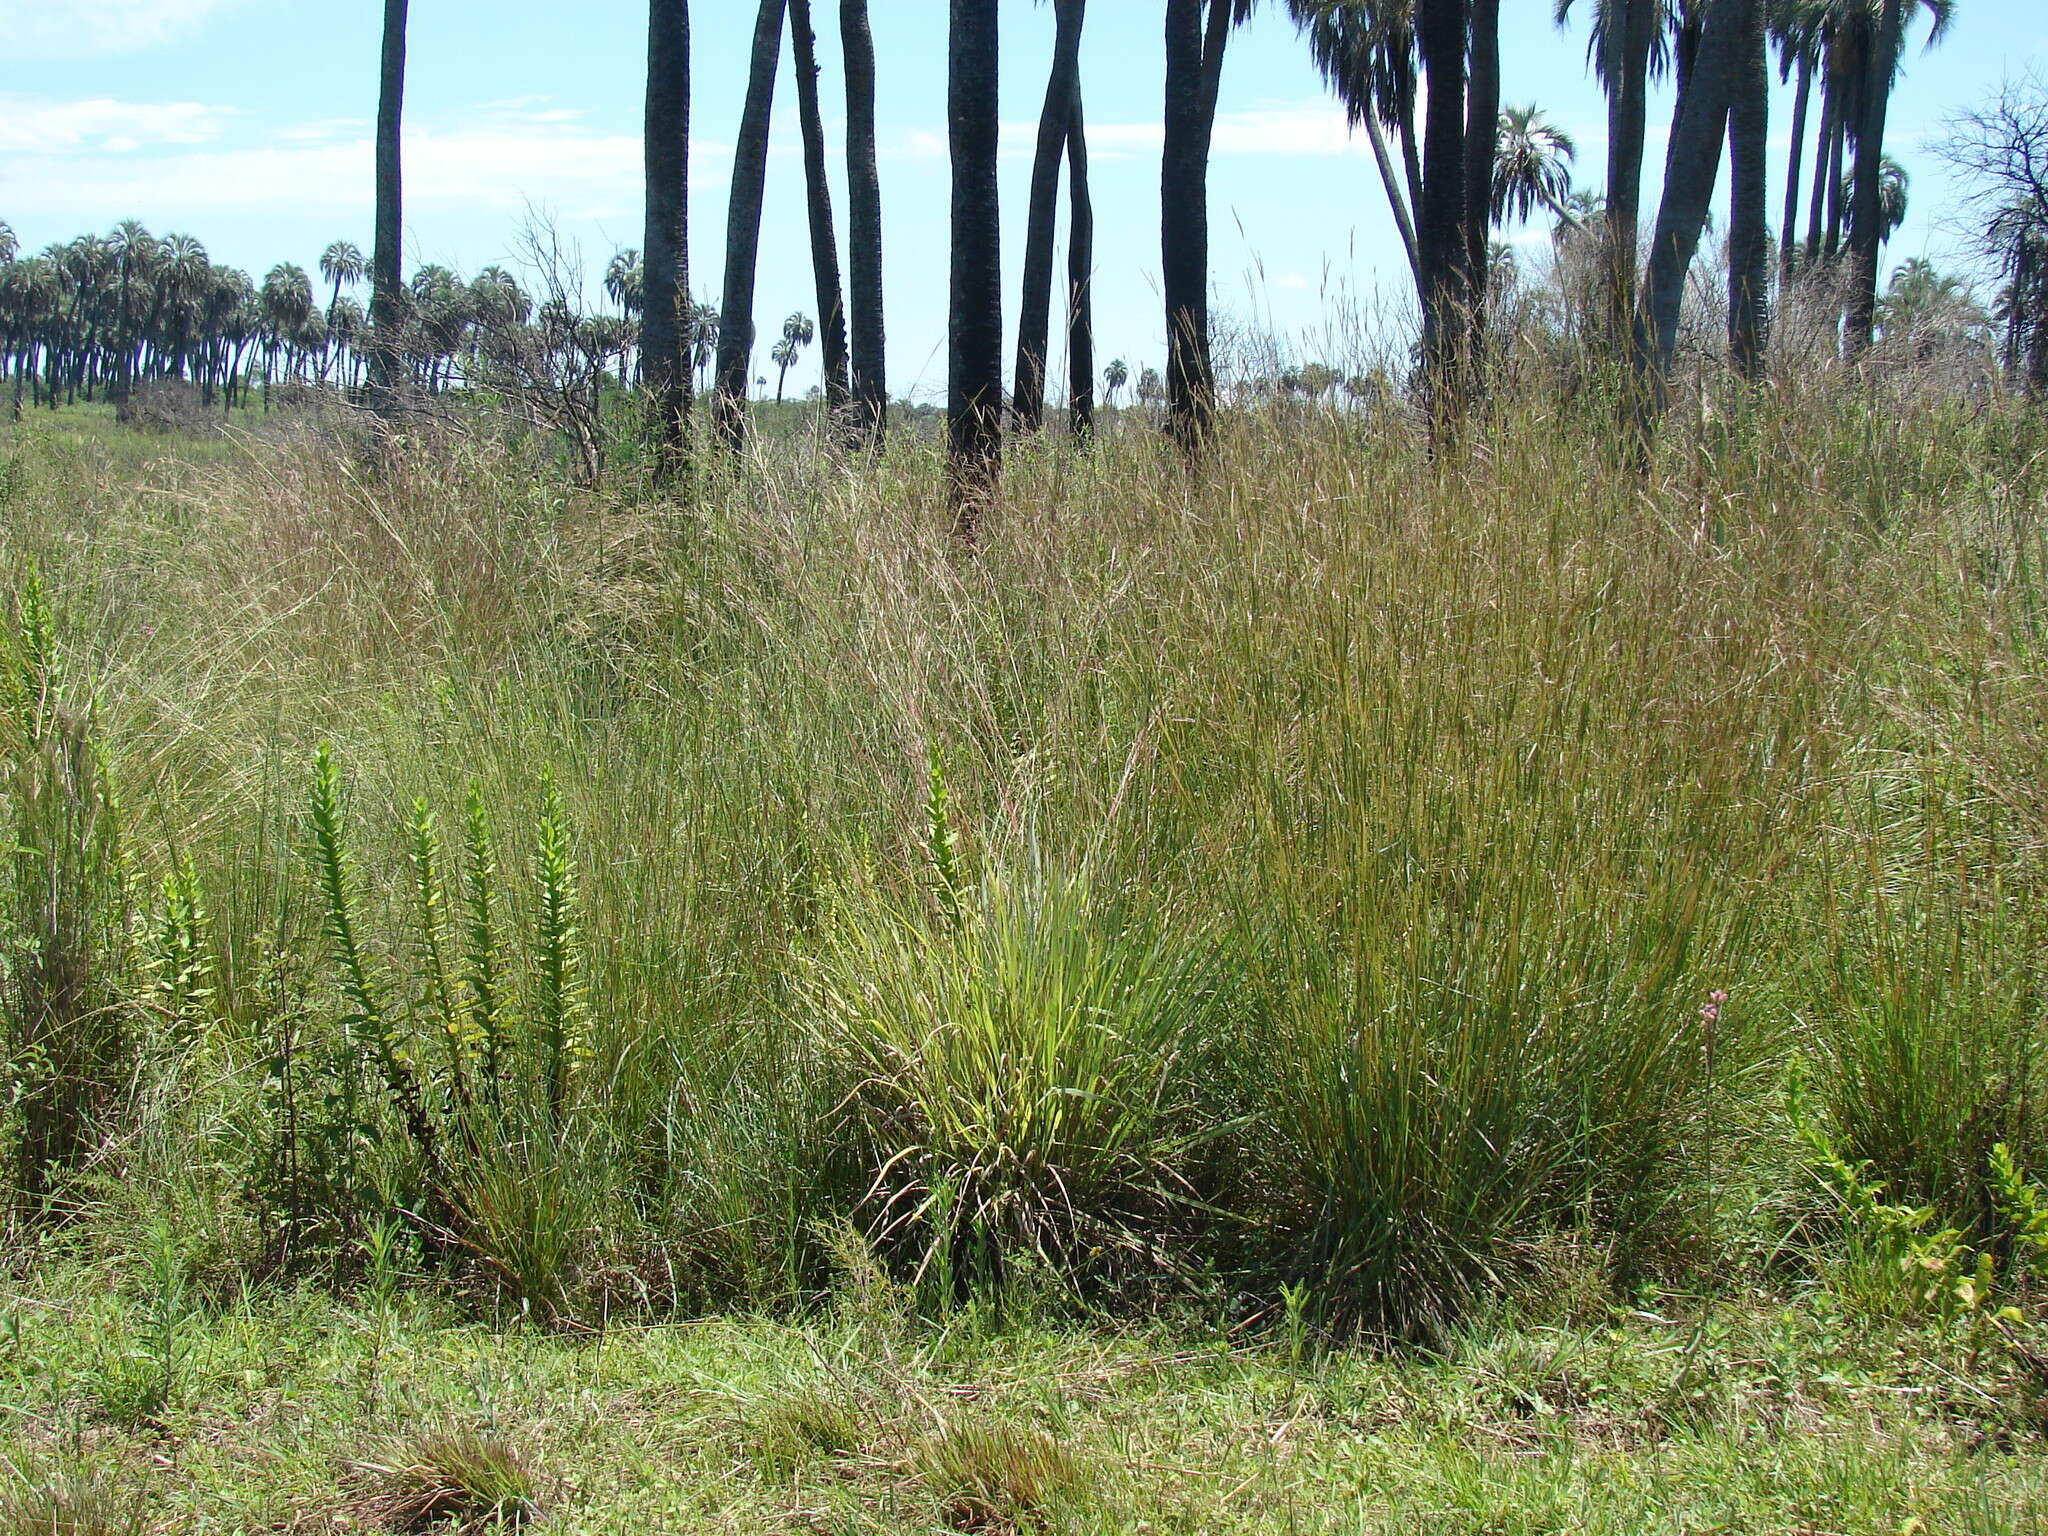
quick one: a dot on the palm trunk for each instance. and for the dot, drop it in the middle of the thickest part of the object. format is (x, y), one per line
(1440, 225)
(1845, 112)
(743, 233)
(1749, 236)
(1823, 150)
(1482, 143)
(1866, 219)
(1633, 33)
(1194, 65)
(386, 280)
(974, 383)
(818, 202)
(1080, 279)
(1404, 222)
(1787, 243)
(1694, 166)
(665, 243)
(1034, 311)
(864, 223)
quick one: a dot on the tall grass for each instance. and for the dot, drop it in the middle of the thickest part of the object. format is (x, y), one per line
(1338, 847)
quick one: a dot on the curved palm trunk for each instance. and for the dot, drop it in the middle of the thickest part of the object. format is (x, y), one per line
(974, 377)
(665, 243)
(818, 201)
(1788, 246)
(1440, 223)
(1194, 69)
(1080, 280)
(1749, 254)
(1694, 166)
(1824, 141)
(864, 224)
(1866, 216)
(1482, 146)
(1034, 311)
(743, 233)
(1404, 222)
(386, 280)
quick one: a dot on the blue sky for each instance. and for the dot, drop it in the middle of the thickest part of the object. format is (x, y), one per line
(247, 123)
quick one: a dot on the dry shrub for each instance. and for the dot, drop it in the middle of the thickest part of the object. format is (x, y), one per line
(460, 1479)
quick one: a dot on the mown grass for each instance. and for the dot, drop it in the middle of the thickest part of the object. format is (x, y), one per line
(1305, 896)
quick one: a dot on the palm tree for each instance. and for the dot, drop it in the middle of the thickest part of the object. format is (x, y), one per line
(386, 279)
(703, 325)
(9, 245)
(797, 333)
(1533, 167)
(1195, 44)
(743, 231)
(1482, 154)
(625, 280)
(133, 251)
(870, 382)
(1441, 30)
(1749, 235)
(818, 202)
(1894, 187)
(974, 321)
(1365, 49)
(664, 344)
(1114, 378)
(286, 306)
(1628, 48)
(1692, 169)
(1055, 121)
(1886, 37)
(1080, 282)
(341, 265)
(1794, 28)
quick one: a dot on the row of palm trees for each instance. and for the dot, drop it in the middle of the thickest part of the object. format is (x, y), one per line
(101, 315)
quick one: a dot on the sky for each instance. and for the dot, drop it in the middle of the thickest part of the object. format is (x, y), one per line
(248, 123)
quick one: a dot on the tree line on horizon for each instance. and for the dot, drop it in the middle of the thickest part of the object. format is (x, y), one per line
(1420, 77)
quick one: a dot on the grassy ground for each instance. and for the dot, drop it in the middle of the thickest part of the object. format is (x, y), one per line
(1367, 988)
(291, 1411)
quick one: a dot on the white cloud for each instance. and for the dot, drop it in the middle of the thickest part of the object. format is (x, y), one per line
(73, 29)
(70, 161)
(34, 127)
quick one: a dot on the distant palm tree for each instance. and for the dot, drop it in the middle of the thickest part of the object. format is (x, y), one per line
(743, 231)
(1114, 378)
(8, 244)
(286, 305)
(1893, 189)
(797, 333)
(1533, 167)
(386, 278)
(625, 280)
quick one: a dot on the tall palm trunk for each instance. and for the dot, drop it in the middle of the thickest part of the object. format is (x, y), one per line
(665, 244)
(1194, 70)
(1080, 280)
(974, 378)
(386, 280)
(1034, 311)
(1693, 168)
(1845, 114)
(1440, 221)
(1482, 144)
(1788, 245)
(1824, 142)
(864, 223)
(818, 202)
(1749, 236)
(1632, 33)
(1866, 214)
(743, 232)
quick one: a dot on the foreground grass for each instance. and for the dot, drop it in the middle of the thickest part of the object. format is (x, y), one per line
(1032, 1001)
(295, 1412)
